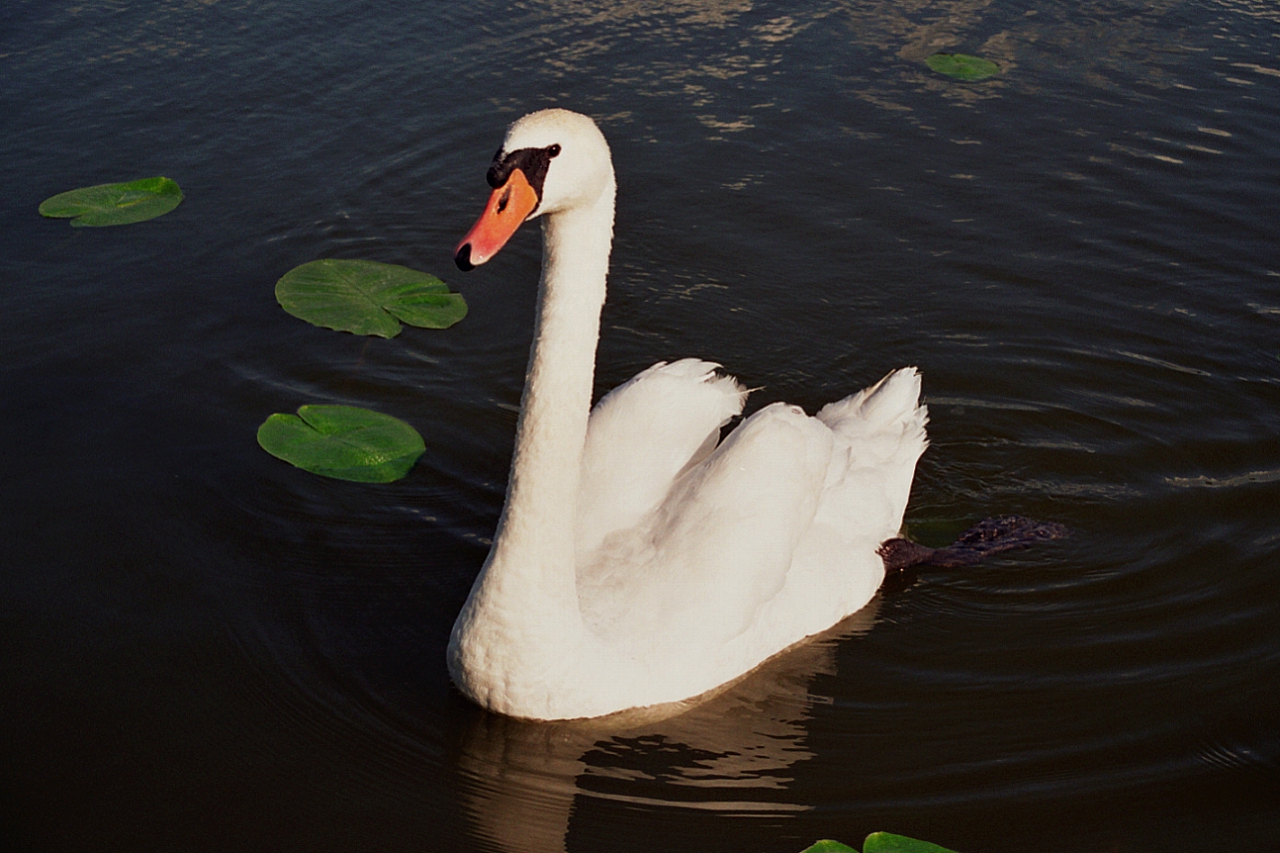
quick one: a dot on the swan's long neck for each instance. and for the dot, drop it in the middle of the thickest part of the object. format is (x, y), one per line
(537, 527)
(527, 587)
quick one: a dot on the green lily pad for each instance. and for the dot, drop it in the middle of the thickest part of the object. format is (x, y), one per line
(368, 297)
(114, 204)
(343, 442)
(962, 66)
(878, 842)
(887, 842)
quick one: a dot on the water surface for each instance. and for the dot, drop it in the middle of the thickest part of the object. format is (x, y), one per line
(206, 649)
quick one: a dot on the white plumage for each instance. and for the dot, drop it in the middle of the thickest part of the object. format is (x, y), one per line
(639, 560)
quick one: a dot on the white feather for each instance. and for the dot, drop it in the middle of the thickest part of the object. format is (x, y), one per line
(641, 435)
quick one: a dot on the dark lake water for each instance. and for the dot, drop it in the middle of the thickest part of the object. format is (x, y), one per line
(206, 649)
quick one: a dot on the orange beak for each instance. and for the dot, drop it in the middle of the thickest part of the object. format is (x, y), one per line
(509, 206)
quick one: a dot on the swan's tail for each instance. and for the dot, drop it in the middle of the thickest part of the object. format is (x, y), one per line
(879, 435)
(891, 401)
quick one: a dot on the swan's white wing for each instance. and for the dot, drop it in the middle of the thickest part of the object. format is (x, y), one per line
(641, 435)
(695, 572)
(769, 539)
(878, 435)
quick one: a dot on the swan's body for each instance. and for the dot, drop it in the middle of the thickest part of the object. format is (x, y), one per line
(638, 561)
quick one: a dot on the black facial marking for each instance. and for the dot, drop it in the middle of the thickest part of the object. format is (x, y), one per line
(532, 161)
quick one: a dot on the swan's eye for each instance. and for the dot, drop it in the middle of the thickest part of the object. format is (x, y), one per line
(553, 151)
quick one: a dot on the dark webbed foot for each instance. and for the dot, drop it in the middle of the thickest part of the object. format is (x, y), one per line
(986, 537)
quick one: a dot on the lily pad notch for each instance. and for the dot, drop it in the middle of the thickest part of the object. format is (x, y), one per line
(368, 297)
(962, 66)
(114, 204)
(343, 442)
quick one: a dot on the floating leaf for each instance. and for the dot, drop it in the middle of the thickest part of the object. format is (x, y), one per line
(344, 442)
(114, 204)
(886, 842)
(962, 66)
(828, 846)
(878, 842)
(368, 297)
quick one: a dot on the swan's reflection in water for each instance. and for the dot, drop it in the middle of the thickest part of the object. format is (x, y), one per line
(730, 753)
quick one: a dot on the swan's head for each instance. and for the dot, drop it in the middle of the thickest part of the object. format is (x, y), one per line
(551, 161)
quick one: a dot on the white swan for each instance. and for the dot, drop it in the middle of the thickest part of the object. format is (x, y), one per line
(639, 561)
